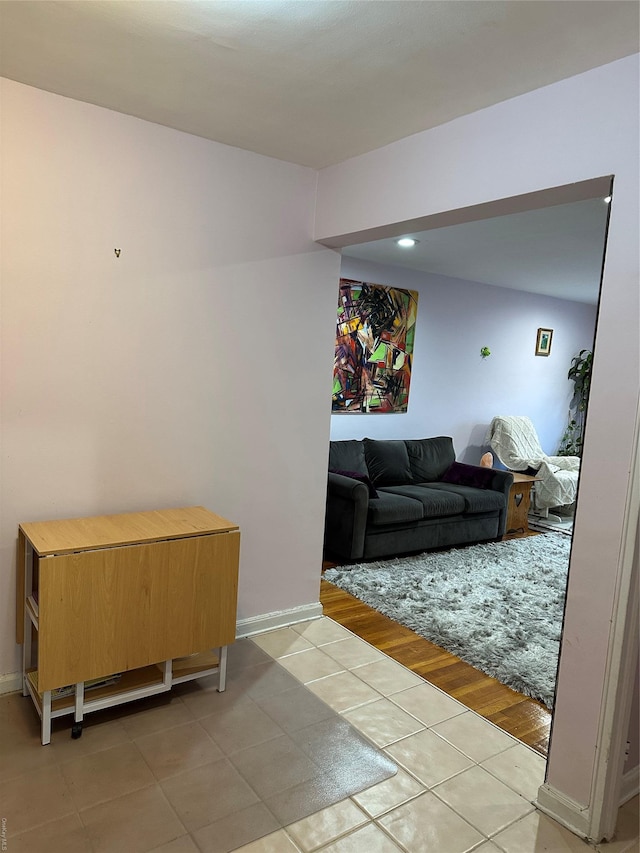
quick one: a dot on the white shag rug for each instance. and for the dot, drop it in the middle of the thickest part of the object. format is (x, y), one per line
(498, 606)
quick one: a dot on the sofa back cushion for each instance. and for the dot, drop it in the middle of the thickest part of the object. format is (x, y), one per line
(429, 458)
(387, 462)
(347, 456)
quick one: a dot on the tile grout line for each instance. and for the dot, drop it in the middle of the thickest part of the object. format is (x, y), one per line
(371, 821)
(425, 727)
(386, 657)
(376, 820)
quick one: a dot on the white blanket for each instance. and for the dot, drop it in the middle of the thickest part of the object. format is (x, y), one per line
(515, 442)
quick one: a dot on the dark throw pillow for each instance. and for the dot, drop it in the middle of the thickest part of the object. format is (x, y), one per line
(356, 475)
(460, 474)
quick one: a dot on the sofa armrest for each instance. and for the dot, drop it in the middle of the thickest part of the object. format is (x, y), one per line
(346, 517)
(502, 481)
(343, 486)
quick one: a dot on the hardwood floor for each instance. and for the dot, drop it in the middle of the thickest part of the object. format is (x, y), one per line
(524, 718)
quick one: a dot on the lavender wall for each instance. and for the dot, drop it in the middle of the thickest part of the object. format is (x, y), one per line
(146, 381)
(456, 392)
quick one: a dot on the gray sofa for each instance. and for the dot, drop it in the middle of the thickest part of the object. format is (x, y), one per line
(386, 498)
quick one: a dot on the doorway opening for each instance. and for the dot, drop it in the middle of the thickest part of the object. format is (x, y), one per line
(488, 277)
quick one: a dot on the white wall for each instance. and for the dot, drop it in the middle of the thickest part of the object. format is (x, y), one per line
(572, 131)
(180, 373)
(454, 391)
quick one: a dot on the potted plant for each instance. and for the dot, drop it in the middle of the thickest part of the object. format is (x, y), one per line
(580, 374)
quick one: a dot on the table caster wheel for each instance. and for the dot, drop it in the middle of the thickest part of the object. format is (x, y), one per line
(76, 731)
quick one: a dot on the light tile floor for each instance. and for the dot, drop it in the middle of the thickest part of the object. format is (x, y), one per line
(462, 784)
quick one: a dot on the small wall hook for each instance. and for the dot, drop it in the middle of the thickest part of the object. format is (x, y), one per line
(117, 251)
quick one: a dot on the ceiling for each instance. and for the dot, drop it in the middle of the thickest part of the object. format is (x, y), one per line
(553, 251)
(316, 82)
(312, 82)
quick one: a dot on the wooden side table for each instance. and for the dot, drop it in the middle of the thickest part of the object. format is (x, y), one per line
(519, 504)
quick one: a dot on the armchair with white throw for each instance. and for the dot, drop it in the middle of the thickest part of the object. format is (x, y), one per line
(515, 442)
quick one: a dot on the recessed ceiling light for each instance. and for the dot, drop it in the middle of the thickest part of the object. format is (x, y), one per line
(607, 200)
(407, 242)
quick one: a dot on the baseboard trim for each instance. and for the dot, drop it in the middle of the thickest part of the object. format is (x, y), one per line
(10, 683)
(576, 817)
(630, 784)
(279, 619)
(571, 814)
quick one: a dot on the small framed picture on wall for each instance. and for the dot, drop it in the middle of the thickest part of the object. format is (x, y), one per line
(543, 341)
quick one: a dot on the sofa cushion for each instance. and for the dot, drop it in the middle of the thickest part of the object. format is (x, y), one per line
(362, 478)
(475, 500)
(436, 503)
(387, 462)
(393, 509)
(429, 458)
(468, 475)
(347, 456)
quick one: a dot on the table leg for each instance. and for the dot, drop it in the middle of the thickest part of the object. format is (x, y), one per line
(46, 717)
(78, 711)
(27, 627)
(222, 670)
(518, 511)
(20, 586)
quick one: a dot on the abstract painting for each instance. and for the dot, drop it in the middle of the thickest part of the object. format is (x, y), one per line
(374, 348)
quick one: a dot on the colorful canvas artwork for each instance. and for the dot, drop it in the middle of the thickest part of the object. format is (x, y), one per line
(374, 348)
